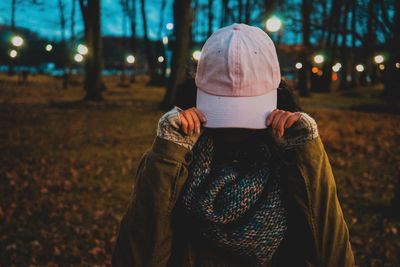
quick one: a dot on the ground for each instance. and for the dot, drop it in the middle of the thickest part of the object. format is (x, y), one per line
(67, 168)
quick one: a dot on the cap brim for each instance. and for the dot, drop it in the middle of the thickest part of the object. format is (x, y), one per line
(236, 112)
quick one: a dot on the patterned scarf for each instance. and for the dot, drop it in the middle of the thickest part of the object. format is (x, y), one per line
(240, 210)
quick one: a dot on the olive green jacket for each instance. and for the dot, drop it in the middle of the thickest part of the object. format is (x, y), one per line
(150, 234)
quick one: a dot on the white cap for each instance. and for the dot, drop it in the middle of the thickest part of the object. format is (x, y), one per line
(237, 78)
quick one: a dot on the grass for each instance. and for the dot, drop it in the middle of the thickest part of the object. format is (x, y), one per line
(67, 168)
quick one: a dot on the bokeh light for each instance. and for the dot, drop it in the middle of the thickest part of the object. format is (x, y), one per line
(17, 41)
(130, 59)
(82, 49)
(196, 55)
(319, 59)
(273, 24)
(360, 68)
(314, 70)
(160, 59)
(49, 47)
(13, 53)
(337, 67)
(78, 58)
(298, 65)
(165, 40)
(379, 59)
(169, 26)
(381, 67)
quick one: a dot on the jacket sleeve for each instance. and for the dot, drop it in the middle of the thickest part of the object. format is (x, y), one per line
(145, 235)
(325, 216)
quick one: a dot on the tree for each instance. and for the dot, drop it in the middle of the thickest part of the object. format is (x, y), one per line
(247, 13)
(392, 73)
(93, 62)
(72, 25)
(63, 43)
(210, 16)
(182, 21)
(304, 73)
(129, 7)
(148, 46)
(344, 84)
(11, 60)
(330, 46)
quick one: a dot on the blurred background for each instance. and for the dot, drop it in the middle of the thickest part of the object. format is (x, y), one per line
(84, 82)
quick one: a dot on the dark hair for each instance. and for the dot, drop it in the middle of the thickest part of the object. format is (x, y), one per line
(286, 98)
(186, 96)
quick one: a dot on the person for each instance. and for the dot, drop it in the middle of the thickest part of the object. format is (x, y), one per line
(241, 179)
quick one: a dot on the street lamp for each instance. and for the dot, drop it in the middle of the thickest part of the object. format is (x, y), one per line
(336, 67)
(165, 40)
(49, 47)
(82, 49)
(130, 59)
(13, 53)
(196, 55)
(379, 59)
(17, 41)
(273, 24)
(299, 65)
(160, 59)
(319, 59)
(169, 26)
(314, 70)
(78, 58)
(360, 68)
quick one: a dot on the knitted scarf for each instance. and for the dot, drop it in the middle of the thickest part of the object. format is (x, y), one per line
(239, 210)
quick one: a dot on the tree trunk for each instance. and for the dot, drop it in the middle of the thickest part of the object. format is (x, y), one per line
(224, 13)
(331, 46)
(93, 60)
(305, 71)
(72, 29)
(182, 21)
(392, 72)
(210, 17)
(354, 78)
(240, 10)
(148, 47)
(162, 15)
(63, 50)
(11, 70)
(269, 6)
(247, 12)
(344, 85)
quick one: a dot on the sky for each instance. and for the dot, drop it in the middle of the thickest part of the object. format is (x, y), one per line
(44, 18)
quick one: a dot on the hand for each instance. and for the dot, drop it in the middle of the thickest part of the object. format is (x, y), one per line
(191, 120)
(281, 119)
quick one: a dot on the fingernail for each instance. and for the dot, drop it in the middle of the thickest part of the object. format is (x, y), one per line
(268, 122)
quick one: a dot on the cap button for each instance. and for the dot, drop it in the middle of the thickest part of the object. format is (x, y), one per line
(236, 28)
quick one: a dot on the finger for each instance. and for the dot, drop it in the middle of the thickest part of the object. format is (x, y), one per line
(200, 115)
(276, 118)
(282, 121)
(189, 119)
(292, 119)
(196, 121)
(271, 116)
(184, 123)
